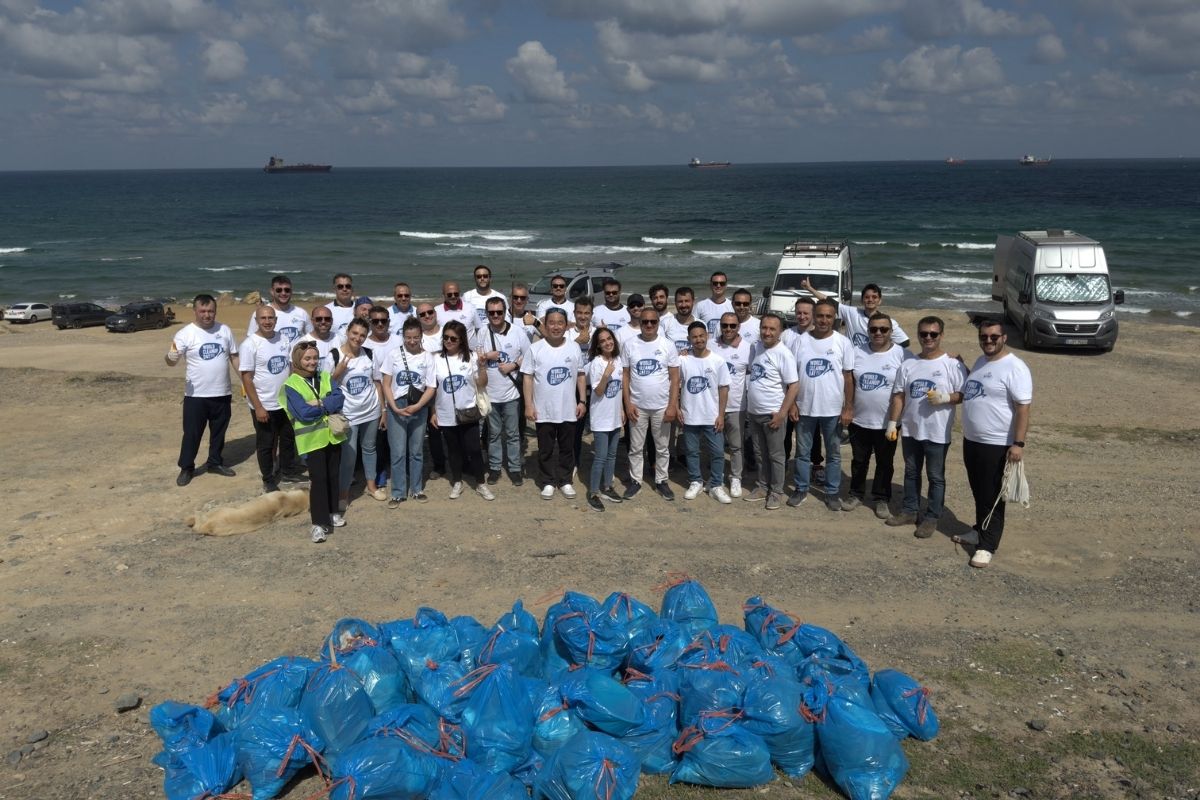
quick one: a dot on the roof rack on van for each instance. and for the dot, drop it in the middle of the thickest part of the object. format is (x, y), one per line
(827, 247)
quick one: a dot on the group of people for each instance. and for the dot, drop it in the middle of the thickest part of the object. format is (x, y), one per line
(466, 376)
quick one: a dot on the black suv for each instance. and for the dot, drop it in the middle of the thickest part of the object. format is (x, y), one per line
(79, 315)
(139, 316)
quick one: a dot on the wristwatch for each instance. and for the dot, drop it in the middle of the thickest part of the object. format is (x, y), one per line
(1018, 444)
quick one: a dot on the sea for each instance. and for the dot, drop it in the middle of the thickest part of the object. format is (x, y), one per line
(925, 232)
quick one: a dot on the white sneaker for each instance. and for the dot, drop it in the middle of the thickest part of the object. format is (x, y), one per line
(483, 491)
(318, 534)
(337, 520)
(547, 491)
(568, 491)
(735, 488)
(693, 490)
(456, 490)
(981, 559)
(720, 495)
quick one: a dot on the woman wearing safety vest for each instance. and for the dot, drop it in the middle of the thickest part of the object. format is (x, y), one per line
(309, 396)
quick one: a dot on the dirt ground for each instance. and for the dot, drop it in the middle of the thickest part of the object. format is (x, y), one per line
(1067, 669)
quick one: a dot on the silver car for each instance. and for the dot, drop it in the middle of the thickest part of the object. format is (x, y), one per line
(27, 312)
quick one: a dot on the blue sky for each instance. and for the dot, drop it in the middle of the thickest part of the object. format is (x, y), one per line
(190, 83)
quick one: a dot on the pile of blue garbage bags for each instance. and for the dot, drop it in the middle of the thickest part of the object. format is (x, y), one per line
(577, 707)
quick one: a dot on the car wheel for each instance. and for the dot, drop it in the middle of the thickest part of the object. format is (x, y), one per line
(61, 327)
(162, 323)
(1027, 335)
(76, 324)
(33, 318)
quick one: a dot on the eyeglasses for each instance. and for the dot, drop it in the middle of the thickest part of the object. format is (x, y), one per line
(649, 322)
(719, 283)
(741, 305)
(286, 289)
(398, 295)
(322, 319)
(929, 334)
(379, 321)
(426, 313)
(451, 294)
(479, 275)
(344, 285)
(306, 345)
(613, 293)
(449, 338)
(878, 329)
(729, 326)
(558, 286)
(496, 312)
(990, 337)
(637, 305)
(520, 297)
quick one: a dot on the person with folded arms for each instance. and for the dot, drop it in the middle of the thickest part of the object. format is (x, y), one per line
(408, 385)
(555, 388)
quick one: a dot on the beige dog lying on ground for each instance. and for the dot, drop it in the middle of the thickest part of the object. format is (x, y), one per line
(250, 516)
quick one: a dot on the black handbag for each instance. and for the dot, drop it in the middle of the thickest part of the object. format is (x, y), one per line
(414, 394)
(462, 416)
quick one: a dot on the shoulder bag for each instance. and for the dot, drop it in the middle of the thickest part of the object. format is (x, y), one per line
(462, 416)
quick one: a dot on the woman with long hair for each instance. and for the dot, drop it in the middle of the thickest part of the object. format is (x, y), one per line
(607, 415)
(354, 373)
(458, 375)
(408, 387)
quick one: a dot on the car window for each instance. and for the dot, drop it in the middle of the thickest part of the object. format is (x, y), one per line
(578, 287)
(598, 283)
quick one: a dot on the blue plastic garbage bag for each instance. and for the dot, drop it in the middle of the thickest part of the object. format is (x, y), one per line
(858, 751)
(555, 658)
(471, 636)
(349, 634)
(657, 646)
(772, 709)
(432, 686)
(273, 744)
(383, 768)
(591, 766)
(653, 739)
(718, 752)
(903, 705)
(686, 602)
(556, 721)
(711, 686)
(774, 629)
(423, 730)
(337, 705)
(846, 678)
(428, 636)
(198, 756)
(518, 648)
(528, 770)
(379, 672)
(632, 614)
(602, 701)
(276, 684)
(466, 780)
(519, 620)
(591, 639)
(497, 717)
(723, 643)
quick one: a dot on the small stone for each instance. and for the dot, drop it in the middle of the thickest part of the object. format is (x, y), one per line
(122, 567)
(14, 757)
(1037, 724)
(114, 738)
(1173, 727)
(27, 749)
(128, 702)
(1058, 651)
(104, 690)
(1021, 791)
(41, 745)
(38, 736)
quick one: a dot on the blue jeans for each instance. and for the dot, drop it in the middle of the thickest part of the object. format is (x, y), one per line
(932, 455)
(714, 443)
(604, 459)
(406, 436)
(362, 436)
(806, 429)
(504, 436)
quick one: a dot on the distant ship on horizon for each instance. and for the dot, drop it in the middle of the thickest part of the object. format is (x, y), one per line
(1033, 161)
(276, 164)
(696, 163)
(954, 162)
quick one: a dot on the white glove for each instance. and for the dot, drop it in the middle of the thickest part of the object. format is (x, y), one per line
(892, 431)
(938, 398)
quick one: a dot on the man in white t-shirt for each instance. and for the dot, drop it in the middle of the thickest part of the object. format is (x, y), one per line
(264, 363)
(804, 324)
(748, 324)
(771, 388)
(825, 362)
(453, 307)
(635, 305)
(675, 326)
(557, 299)
(855, 320)
(650, 377)
(613, 314)
(342, 305)
(431, 342)
(477, 298)
(505, 346)
(401, 308)
(322, 334)
(210, 350)
(709, 310)
(875, 368)
(703, 395)
(996, 401)
(922, 413)
(555, 399)
(291, 321)
(520, 314)
(580, 332)
(736, 352)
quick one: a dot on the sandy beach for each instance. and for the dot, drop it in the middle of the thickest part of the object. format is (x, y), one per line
(1068, 669)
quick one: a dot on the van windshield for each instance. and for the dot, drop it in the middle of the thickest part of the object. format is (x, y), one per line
(1072, 288)
(793, 283)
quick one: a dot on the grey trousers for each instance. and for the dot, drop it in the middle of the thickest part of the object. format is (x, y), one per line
(768, 450)
(733, 442)
(652, 420)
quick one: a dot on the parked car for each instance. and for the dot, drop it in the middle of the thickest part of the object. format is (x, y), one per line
(587, 280)
(139, 316)
(79, 315)
(27, 312)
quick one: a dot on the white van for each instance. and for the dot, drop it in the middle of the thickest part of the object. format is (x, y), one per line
(1054, 286)
(828, 267)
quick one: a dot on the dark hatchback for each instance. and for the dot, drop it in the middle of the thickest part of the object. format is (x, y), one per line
(139, 317)
(79, 315)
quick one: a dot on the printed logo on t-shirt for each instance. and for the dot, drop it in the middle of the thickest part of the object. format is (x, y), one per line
(972, 389)
(289, 334)
(406, 377)
(919, 388)
(698, 384)
(860, 340)
(357, 384)
(615, 326)
(870, 381)
(682, 346)
(277, 364)
(210, 350)
(713, 326)
(646, 366)
(557, 375)
(613, 389)
(756, 371)
(503, 359)
(816, 367)
(729, 365)
(453, 382)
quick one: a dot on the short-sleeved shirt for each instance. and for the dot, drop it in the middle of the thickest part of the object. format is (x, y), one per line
(990, 395)
(455, 381)
(649, 364)
(855, 320)
(710, 313)
(737, 361)
(676, 331)
(700, 381)
(749, 330)
(874, 374)
(397, 318)
(382, 351)
(342, 316)
(325, 348)
(922, 419)
(573, 332)
(358, 387)
(207, 355)
(555, 371)
(465, 313)
(271, 361)
(512, 345)
(408, 370)
(291, 324)
(567, 306)
(821, 364)
(478, 302)
(605, 413)
(613, 319)
(771, 371)
(432, 342)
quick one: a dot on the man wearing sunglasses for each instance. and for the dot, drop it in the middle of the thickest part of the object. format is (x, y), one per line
(709, 310)
(557, 299)
(265, 360)
(613, 314)
(322, 334)
(478, 297)
(650, 374)
(291, 321)
(401, 308)
(736, 352)
(504, 346)
(856, 319)
(921, 413)
(431, 342)
(748, 324)
(996, 400)
(453, 307)
(342, 305)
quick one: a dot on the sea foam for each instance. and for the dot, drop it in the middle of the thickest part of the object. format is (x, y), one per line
(8, 250)
(968, 245)
(656, 240)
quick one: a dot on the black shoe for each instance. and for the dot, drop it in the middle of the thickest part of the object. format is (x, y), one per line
(797, 497)
(293, 477)
(184, 477)
(631, 491)
(594, 502)
(221, 469)
(665, 491)
(610, 494)
(270, 486)
(516, 478)
(493, 477)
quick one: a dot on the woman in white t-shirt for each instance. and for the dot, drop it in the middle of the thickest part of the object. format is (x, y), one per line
(607, 415)
(458, 374)
(408, 386)
(363, 410)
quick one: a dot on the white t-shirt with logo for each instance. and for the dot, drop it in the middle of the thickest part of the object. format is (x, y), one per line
(291, 323)
(325, 348)
(627, 334)
(554, 371)
(700, 380)
(530, 330)
(749, 330)
(856, 321)
(676, 332)
(455, 381)
(567, 305)
(342, 316)
(605, 414)
(271, 362)
(737, 361)
(771, 371)
(613, 318)
(358, 387)
(584, 347)
(405, 369)
(990, 395)
(821, 364)
(465, 314)
(396, 318)
(478, 302)
(874, 374)
(207, 355)
(381, 352)
(513, 347)
(432, 342)
(649, 366)
(922, 419)
(710, 313)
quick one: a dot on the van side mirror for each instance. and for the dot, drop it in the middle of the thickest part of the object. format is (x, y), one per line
(1119, 297)
(847, 296)
(766, 292)
(1024, 298)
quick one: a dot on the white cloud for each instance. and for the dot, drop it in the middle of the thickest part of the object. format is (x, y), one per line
(440, 83)
(692, 58)
(948, 70)
(658, 119)
(85, 60)
(936, 19)
(373, 101)
(224, 61)
(536, 72)
(142, 17)
(628, 75)
(477, 104)
(271, 89)
(222, 110)
(1049, 50)
(678, 17)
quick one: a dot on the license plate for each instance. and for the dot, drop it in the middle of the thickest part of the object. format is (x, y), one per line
(1077, 341)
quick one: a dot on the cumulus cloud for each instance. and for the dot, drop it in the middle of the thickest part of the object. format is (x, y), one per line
(224, 61)
(85, 60)
(477, 104)
(271, 89)
(679, 17)
(936, 19)
(536, 72)
(692, 58)
(372, 101)
(948, 70)
(1049, 50)
(142, 17)
(222, 110)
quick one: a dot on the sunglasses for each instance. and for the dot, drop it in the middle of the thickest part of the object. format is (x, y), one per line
(482, 275)
(306, 345)
(286, 289)
(928, 334)
(449, 338)
(452, 294)
(558, 286)
(426, 313)
(877, 329)
(729, 327)
(344, 285)
(637, 305)
(398, 295)
(376, 321)
(741, 305)
(495, 313)
(719, 283)
(612, 294)
(990, 337)
(649, 322)
(322, 319)
(520, 297)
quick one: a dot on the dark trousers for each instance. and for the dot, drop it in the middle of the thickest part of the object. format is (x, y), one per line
(198, 412)
(580, 426)
(985, 472)
(864, 443)
(275, 434)
(323, 468)
(462, 449)
(437, 449)
(556, 453)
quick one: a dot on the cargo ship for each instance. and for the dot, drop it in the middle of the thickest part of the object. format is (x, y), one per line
(696, 163)
(1033, 161)
(276, 164)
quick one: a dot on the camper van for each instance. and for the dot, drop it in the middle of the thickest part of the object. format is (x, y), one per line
(1055, 288)
(828, 267)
